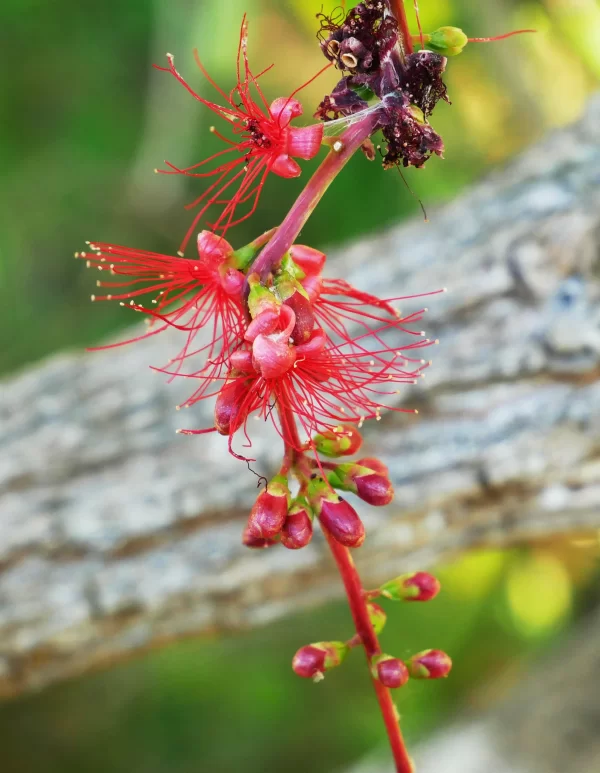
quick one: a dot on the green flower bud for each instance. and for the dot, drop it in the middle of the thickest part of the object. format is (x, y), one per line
(448, 41)
(344, 440)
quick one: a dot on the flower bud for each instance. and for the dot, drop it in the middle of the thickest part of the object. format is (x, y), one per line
(448, 41)
(297, 529)
(377, 616)
(417, 586)
(269, 512)
(371, 486)
(391, 672)
(429, 664)
(336, 515)
(344, 441)
(311, 661)
(227, 406)
(311, 261)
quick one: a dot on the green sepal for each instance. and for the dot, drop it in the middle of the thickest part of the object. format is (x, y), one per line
(288, 265)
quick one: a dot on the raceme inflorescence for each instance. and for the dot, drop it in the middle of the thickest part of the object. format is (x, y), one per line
(265, 334)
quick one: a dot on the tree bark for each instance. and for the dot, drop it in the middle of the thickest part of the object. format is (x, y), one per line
(118, 534)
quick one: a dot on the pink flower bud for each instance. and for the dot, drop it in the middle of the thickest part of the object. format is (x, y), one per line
(391, 672)
(375, 489)
(297, 529)
(429, 664)
(372, 487)
(311, 661)
(228, 405)
(342, 522)
(269, 512)
(417, 586)
(344, 442)
(311, 261)
(212, 249)
(377, 617)
(335, 514)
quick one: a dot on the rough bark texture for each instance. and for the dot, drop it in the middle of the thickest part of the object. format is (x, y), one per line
(118, 534)
(548, 723)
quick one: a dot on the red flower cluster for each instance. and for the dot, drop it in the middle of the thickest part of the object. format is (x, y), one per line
(263, 141)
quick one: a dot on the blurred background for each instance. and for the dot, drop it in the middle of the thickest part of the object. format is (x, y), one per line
(85, 120)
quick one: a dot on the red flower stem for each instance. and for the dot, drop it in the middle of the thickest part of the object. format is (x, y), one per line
(400, 13)
(349, 141)
(364, 629)
(357, 600)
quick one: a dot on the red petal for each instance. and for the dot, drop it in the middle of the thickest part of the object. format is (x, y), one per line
(213, 249)
(305, 141)
(284, 166)
(284, 109)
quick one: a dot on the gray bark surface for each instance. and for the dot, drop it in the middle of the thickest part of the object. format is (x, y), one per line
(118, 534)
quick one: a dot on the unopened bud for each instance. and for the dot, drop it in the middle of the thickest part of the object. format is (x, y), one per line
(311, 261)
(377, 616)
(345, 441)
(311, 661)
(391, 672)
(338, 517)
(269, 512)
(429, 664)
(371, 486)
(417, 586)
(297, 529)
(227, 406)
(448, 41)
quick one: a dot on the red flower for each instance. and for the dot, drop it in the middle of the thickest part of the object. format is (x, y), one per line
(264, 141)
(187, 294)
(320, 383)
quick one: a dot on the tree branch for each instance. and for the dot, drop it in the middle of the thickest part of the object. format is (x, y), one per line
(118, 534)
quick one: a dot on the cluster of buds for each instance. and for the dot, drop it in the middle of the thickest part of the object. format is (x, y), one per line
(276, 516)
(313, 660)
